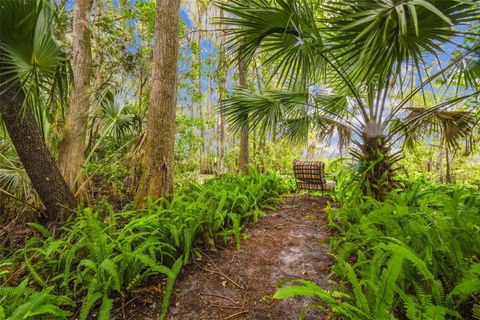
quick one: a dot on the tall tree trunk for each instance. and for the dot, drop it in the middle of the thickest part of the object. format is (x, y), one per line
(200, 12)
(221, 88)
(243, 161)
(263, 143)
(157, 178)
(448, 175)
(44, 175)
(72, 147)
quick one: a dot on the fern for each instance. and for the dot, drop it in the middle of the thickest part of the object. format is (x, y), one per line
(470, 284)
(476, 311)
(26, 303)
(43, 231)
(33, 272)
(100, 254)
(112, 272)
(386, 287)
(332, 299)
(410, 256)
(90, 300)
(105, 308)
(172, 278)
(349, 273)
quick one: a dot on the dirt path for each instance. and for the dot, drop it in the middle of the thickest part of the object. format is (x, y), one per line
(238, 284)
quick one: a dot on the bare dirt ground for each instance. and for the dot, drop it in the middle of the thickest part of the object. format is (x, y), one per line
(239, 284)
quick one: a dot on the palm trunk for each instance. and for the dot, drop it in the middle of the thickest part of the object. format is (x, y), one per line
(377, 168)
(72, 147)
(243, 158)
(157, 178)
(44, 175)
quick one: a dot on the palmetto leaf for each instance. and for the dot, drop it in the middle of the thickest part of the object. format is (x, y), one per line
(467, 70)
(13, 178)
(25, 30)
(286, 29)
(31, 56)
(380, 36)
(117, 115)
(292, 114)
(451, 126)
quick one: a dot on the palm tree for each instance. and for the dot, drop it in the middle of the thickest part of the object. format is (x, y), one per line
(30, 66)
(353, 67)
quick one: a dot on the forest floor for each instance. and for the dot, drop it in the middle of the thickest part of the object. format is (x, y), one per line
(291, 242)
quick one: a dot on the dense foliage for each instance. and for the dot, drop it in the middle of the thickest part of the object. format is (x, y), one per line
(413, 256)
(94, 205)
(101, 255)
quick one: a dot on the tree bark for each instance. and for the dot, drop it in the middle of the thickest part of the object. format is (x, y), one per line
(157, 178)
(72, 146)
(448, 176)
(44, 175)
(199, 83)
(221, 88)
(377, 167)
(263, 143)
(243, 157)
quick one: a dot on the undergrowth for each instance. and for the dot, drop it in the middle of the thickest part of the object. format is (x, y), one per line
(103, 255)
(414, 256)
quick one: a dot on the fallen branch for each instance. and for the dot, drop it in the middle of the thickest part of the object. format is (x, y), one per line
(236, 314)
(221, 274)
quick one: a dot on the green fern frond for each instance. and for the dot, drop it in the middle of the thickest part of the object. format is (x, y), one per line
(40, 229)
(360, 298)
(387, 285)
(89, 301)
(172, 278)
(112, 271)
(105, 308)
(476, 311)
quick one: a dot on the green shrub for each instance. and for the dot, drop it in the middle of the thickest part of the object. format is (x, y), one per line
(413, 256)
(103, 255)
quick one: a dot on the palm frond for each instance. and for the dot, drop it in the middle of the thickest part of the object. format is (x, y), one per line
(32, 57)
(116, 114)
(292, 114)
(451, 126)
(379, 37)
(286, 30)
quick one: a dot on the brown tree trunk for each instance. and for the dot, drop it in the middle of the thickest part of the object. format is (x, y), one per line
(72, 148)
(263, 143)
(44, 175)
(221, 88)
(157, 178)
(243, 160)
(448, 175)
(199, 83)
